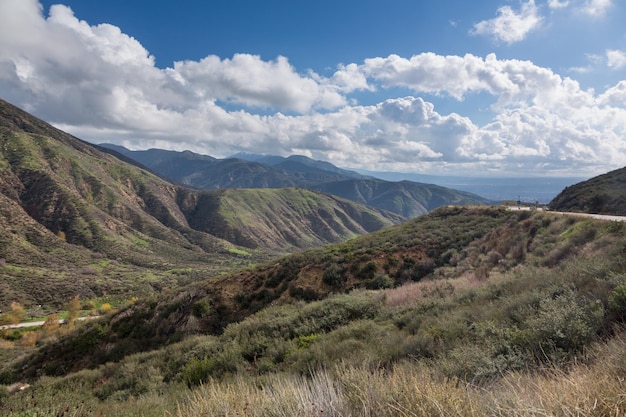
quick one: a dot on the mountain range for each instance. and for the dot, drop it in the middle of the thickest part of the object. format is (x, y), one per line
(406, 198)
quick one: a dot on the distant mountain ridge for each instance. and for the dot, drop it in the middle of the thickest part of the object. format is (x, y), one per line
(406, 198)
(294, 162)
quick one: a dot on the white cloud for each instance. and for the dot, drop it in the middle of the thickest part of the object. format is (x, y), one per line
(456, 76)
(349, 78)
(66, 59)
(596, 7)
(616, 59)
(250, 81)
(614, 96)
(510, 26)
(102, 85)
(558, 4)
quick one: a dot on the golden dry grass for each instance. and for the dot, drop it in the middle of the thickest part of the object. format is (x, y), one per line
(411, 389)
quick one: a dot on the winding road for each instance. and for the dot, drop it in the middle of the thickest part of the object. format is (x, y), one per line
(38, 323)
(567, 213)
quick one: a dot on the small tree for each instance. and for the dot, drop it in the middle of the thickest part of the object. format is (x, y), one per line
(50, 326)
(73, 309)
(105, 308)
(14, 316)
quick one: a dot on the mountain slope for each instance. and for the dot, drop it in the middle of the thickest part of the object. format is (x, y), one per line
(604, 194)
(79, 213)
(406, 198)
(286, 218)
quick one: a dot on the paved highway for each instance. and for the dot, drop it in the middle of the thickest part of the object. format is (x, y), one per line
(38, 323)
(593, 216)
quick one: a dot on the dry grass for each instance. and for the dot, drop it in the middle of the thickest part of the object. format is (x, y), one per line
(587, 390)
(290, 396)
(410, 294)
(408, 389)
(592, 389)
(405, 295)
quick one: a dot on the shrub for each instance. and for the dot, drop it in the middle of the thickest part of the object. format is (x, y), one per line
(334, 275)
(202, 370)
(379, 282)
(201, 308)
(563, 324)
(29, 339)
(617, 302)
(131, 379)
(368, 271)
(105, 308)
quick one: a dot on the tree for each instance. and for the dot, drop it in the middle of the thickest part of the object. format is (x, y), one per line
(14, 316)
(50, 326)
(73, 308)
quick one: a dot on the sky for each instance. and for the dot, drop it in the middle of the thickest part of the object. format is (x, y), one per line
(450, 87)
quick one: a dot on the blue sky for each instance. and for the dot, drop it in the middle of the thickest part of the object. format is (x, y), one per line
(505, 87)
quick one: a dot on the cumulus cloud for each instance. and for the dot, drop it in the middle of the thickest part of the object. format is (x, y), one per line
(248, 80)
(66, 59)
(614, 96)
(510, 26)
(616, 59)
(102, 85)
(509, 80)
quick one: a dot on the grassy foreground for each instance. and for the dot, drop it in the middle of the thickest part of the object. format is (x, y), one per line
(525, 320)
(592, 388)
(412, 389)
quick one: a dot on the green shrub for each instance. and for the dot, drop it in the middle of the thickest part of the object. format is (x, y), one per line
(368, 271)
(201, 370)
(617, 302)
(334, 275)
(201, 308)
(131, 380)
(563, 323)
(379, 282)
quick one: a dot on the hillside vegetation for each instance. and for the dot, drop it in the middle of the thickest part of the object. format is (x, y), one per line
(604, 194)
(465, 311)
(409, 199)
(281, 220)
(75, 220)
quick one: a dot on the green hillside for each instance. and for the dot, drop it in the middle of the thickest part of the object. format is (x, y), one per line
(284, 219)
(409, 199)
(604, 194)
(464, 311)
